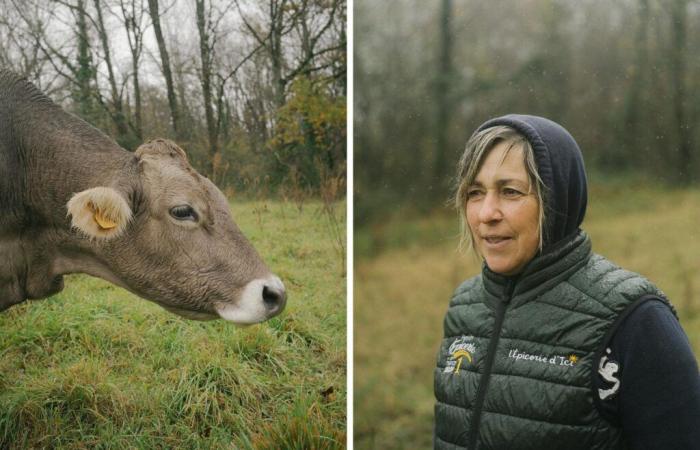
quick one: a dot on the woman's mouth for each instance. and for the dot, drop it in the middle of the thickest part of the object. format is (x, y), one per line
(496, 242)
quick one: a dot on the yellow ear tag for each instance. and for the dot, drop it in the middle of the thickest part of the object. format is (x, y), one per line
(104, 222)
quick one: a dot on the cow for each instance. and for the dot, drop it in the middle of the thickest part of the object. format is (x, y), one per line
(73, 201)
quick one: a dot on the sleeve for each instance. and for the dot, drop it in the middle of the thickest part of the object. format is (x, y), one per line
(648, 381)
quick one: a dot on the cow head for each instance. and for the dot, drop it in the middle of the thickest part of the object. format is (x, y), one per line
(169, 237)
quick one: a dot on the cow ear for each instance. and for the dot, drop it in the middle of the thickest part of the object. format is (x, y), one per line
(100, 212)
(160, 149)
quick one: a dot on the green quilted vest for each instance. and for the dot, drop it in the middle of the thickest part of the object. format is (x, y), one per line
(516, 367)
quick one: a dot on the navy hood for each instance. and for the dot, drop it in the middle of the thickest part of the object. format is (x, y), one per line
(560, 165)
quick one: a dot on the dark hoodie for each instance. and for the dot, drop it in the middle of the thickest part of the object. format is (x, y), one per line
(658, 402)
(560, 165)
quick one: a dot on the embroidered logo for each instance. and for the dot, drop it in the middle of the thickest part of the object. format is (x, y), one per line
(463, 348)
(607, 369)
(555, 360)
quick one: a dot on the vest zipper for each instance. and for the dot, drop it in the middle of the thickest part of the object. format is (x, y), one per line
(488, 366)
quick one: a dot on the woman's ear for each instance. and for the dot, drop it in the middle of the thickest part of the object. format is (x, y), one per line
(100, 212)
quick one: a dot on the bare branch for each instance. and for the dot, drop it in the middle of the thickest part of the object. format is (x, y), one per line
(250, 28)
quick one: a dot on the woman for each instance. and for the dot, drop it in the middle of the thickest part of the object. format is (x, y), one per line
(552, 346)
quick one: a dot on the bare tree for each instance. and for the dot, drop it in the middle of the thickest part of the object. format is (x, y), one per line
(442, 86)
(276, 21)
(18, 48)
(314, 22)
(220, 95)
(77, 62)
(165, 64)
(677, 57)
(117, 104)
(630, 132)
(213, 77)
(132, 13)
(207, 39)
(85, 70)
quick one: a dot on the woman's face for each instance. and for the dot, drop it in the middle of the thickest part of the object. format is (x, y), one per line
(502, 212)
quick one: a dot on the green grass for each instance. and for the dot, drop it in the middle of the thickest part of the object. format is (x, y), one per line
(96, 367)
(406, 271)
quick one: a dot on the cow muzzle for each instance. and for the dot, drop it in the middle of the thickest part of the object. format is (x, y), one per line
(262, 299)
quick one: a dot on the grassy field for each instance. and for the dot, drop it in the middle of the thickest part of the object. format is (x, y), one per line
(96, 367)
(405, 272)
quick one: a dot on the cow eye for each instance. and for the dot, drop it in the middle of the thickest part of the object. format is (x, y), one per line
(183, 212)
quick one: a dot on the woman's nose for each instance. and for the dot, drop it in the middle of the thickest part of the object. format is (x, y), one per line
(490, 208)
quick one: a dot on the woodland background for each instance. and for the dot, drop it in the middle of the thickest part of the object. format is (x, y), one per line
(623, 77)
(254, 91)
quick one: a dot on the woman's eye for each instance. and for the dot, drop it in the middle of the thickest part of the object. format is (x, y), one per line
(474, 193)
(183, 212)
(508, 192)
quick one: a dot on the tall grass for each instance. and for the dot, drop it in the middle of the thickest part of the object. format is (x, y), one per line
(96, 367)
(402, 291)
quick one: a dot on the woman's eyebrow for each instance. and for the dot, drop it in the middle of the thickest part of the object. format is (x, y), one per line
(510, 181)
(500, 182)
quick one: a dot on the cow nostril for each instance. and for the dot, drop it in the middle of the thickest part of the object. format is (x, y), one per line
(273, 296)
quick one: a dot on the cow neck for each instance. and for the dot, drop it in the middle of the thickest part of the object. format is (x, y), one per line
(48, 254)
(83, 261)
(49, 247)
(541, 274)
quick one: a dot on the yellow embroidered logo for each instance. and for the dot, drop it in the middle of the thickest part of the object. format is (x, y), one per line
(463, 348)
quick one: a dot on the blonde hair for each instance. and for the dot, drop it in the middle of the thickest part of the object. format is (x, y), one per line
(478, 147)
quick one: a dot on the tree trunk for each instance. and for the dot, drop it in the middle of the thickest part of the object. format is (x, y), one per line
(205, 79)
(165, 65)
(137, 99)
(275, 49)
(678, 66)
(629, 133)
(442, 101)
(85, 68)
(134, 34)
(118, 114)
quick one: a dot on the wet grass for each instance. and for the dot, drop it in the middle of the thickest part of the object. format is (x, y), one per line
(406, 270)
(96, 367)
